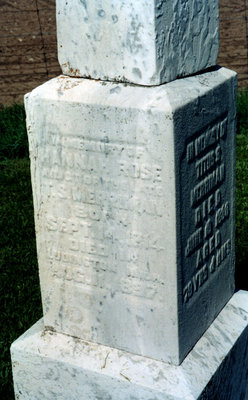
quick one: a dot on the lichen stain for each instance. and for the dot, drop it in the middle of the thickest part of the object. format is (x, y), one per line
(133, 41)
(101, 13)
(65, 83)
(114, 19)
(116, 90)
(137, 72)
(69, 70)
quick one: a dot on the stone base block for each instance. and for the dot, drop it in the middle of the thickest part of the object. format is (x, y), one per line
(49, 365)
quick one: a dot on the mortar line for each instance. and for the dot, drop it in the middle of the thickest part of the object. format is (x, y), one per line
(42, 38)
(246, 32)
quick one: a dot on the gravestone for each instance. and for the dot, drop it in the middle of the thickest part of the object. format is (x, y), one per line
(133, 192)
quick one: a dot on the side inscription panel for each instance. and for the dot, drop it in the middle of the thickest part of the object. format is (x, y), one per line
(205, 215)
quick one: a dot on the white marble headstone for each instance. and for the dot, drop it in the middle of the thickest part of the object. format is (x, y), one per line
(133, 193)
(147, 42)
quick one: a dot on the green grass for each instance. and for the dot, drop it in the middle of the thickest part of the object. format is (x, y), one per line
(242, 191)
(19, 286)
(242, 112)
(13, 136)
(242, 211)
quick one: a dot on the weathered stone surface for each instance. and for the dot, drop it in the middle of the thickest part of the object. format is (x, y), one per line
(51, 366)
(143, 42)
(133, 193)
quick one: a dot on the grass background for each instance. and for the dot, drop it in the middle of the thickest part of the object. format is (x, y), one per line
(20, 303)
(241, 242)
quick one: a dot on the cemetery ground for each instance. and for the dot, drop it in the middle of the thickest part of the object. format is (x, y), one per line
(20, 303)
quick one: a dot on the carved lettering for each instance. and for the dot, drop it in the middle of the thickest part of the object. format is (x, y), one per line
(222, 214)
(208, 246)
(205, 140)
(140, 171)
(209, 183)
(194, 241)
(206, 163)
(193, 285)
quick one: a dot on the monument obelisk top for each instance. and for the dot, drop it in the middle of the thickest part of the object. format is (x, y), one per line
(142, 42)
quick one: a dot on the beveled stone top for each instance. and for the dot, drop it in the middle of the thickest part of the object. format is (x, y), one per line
(146, 42)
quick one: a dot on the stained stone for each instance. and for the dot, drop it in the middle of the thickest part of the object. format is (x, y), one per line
(147, 42)
(48, 365)
(133, 194)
